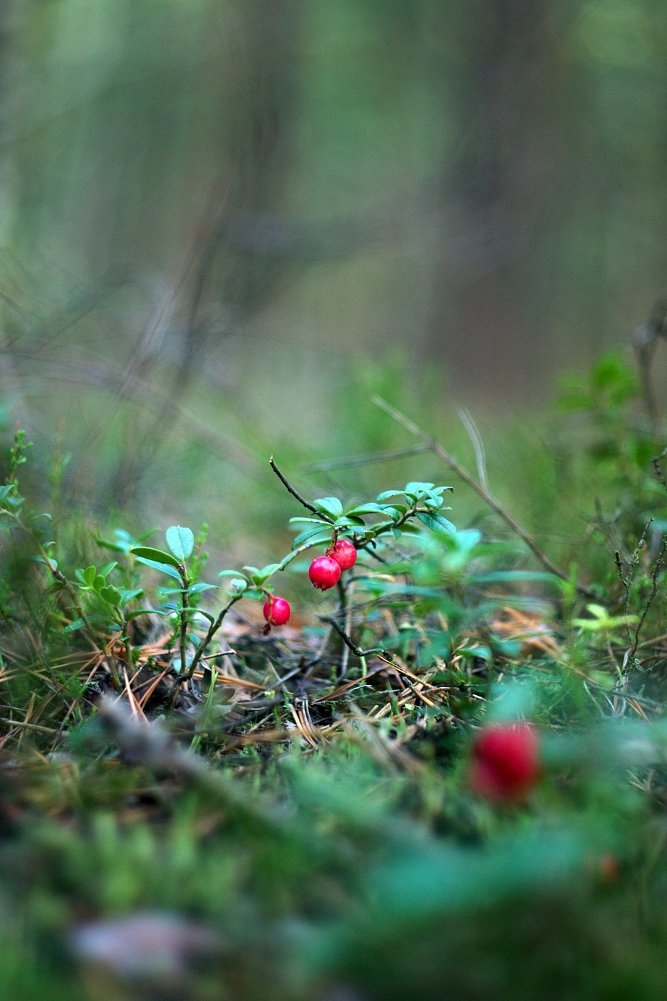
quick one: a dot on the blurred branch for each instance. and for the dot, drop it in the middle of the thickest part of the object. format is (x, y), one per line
(479, 489)
(106, 375)
(364, 460)
(644, 342)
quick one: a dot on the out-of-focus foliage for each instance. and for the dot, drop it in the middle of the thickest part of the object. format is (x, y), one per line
(259, 191)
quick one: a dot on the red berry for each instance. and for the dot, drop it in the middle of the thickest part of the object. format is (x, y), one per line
(344, 553)
(276, 611)
(506, 762)
(324, 572)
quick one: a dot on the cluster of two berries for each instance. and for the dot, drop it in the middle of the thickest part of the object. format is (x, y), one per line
(324, 572)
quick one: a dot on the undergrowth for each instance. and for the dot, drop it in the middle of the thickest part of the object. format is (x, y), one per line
(196, 802)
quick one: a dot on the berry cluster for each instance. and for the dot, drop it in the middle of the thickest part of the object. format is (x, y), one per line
(324, 572)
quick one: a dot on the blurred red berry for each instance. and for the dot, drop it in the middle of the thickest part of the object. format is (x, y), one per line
(324, 572)
(608, 868)
(506, 762)
(276, 611)
(344, 553)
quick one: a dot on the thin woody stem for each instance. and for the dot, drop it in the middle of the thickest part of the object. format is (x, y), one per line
(295, 493)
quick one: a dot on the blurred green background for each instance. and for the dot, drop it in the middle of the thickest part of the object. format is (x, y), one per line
(224, 224)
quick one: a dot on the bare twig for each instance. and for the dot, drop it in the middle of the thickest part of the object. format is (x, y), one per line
(364, 460)
(295, 493)
(656, 460)
(348, 641)
(478, 445)
(649, 601)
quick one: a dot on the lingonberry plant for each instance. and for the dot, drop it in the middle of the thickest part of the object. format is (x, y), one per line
(106, 603)
(350, 763)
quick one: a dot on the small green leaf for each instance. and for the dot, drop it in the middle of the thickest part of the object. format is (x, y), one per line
(111, 595)
(436, 522)
(483, 652)
(143, 611)
(386, 494)
(433, 503)
(417, 488)
(156, 555)
(181, 541)
(368, 508)
(263, 574)
(198, 588)
(392, 512)
(313, 535)
(115, 547)
(74, 626)
(127, 594)
(302, 520)
(329, 505)
(233, 573)
(162, 567)
(107, 568)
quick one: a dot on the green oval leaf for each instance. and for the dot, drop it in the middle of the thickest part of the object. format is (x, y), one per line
(201, 586)
(181, 541)
(329, 505)
(157, 555)
(143, 611)
(74, 626)
(157, 565)
(367, 509)
(417, 488)
(111, 595)
(436, 522)
(313, 535)
(263, 574)
(386, 494)
(127, 594)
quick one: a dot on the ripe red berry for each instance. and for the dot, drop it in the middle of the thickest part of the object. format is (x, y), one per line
(344, 553)
(324, 572)
(276, 611)
(506, 762)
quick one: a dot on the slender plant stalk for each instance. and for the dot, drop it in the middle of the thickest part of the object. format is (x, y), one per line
(295, 493)
(212, 630)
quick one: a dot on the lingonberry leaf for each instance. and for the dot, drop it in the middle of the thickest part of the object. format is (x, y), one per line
(181, 541)
(329, 505)
(157, 555)
(110, 594)
(165, 568)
